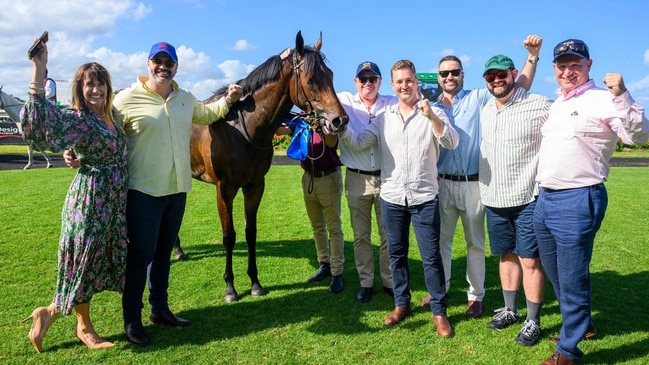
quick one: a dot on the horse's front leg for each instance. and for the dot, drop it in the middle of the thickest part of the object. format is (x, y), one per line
(224, 201)
(252, 198)
(30, 157)
(47, 158)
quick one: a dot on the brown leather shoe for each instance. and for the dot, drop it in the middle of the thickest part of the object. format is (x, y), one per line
(443, 326)
(397, 315)
(426, 301)
(474, 309)
(558, 359)
(590, 333)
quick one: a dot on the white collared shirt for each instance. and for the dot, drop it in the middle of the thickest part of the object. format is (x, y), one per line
(360, 116)
(409, 150)
(580, 135)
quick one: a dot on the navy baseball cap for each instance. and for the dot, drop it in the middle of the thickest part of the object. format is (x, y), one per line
(575, 47)
(163, 47)
(368, 66)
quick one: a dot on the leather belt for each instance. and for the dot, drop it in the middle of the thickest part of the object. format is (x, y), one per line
(363, 172)
(322, 173)
(473, 177)
(582, 187)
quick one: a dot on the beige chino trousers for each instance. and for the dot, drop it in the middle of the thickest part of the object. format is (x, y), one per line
(362, 192)
(323, 206)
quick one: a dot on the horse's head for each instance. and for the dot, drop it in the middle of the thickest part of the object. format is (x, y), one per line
(311, 87)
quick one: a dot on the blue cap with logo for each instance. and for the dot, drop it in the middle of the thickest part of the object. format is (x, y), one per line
(368, 66)
(163, 47)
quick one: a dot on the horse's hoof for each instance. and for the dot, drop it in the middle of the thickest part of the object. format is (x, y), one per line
(258, 291)
(27, 166)
(180, 256)
(231, 297)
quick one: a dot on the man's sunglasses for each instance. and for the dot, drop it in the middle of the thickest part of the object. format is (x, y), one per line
(371, 79)
(492, 76)
(577, 47)
(455, 72)
(167, 63)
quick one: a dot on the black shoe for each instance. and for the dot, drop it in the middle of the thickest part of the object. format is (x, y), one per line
(336, 285)
(363, 296)
(168, 318)
(504, 318)
(530, 334)
(388, 291)
(323, 271)
(136, 334)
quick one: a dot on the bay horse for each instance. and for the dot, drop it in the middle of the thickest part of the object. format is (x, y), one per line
(236, 153)
(12, 107)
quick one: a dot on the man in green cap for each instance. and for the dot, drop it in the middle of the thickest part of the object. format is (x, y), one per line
(511, 138)
(459, 192)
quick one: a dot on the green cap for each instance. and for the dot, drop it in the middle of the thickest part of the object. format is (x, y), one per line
(498, 62)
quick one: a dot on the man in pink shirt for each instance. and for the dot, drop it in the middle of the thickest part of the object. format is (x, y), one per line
(579, 137)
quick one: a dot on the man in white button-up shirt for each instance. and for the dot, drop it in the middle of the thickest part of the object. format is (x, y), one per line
(409, 135)
(363, 179)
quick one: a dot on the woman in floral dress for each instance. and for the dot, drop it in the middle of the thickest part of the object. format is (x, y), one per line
(92, 245)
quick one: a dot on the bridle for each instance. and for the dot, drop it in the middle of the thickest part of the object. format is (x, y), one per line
(311, 116)
(315, 120)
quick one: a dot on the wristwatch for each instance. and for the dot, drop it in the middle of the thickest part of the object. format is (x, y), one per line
(533, 60)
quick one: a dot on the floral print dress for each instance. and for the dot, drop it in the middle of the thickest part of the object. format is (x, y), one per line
(92, 245)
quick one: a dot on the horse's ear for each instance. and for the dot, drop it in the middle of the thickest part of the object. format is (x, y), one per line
(299, 43)
(318, 44)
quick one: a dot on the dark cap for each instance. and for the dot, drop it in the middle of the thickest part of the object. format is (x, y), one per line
(575, 47)
(498, 62)
(163, 47)
(368, 66)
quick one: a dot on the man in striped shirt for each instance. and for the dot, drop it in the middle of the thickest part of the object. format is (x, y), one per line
(410, 135)
(511, 137)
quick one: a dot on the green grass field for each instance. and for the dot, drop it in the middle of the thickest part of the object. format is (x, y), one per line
(299, 323)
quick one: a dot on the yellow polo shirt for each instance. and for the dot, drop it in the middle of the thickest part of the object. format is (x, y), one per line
(158, 133)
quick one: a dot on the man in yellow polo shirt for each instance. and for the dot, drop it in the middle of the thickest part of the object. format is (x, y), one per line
(157, 117)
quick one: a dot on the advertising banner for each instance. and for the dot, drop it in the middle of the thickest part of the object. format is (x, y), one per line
(9, 133)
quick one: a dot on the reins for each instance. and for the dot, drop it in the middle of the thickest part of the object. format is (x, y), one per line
(249, 138)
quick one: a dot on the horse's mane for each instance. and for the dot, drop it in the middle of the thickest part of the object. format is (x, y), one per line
(270, 71)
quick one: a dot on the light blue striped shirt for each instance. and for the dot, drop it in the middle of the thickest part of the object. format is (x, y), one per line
(464, 116)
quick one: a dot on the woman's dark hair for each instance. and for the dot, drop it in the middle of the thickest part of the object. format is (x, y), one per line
(92, 71)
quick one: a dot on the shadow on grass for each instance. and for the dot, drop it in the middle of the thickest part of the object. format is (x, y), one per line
(614, 295)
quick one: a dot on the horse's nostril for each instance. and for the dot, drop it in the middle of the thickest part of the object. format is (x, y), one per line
(337, 123)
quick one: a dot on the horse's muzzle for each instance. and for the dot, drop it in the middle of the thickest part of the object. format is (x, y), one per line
(337, 124)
